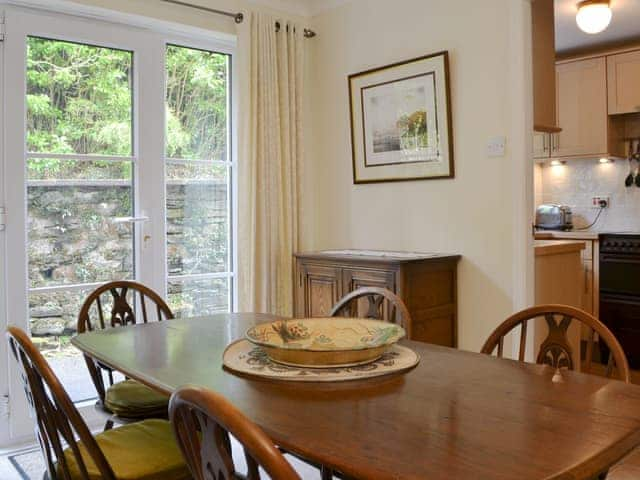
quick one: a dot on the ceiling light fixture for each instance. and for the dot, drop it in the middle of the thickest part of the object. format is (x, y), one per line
(593, 15)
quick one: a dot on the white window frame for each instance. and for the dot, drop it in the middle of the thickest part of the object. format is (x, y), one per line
(151, 266)
(231, 164)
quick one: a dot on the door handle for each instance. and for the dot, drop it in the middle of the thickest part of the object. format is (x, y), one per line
(118, 220)
(586, 279)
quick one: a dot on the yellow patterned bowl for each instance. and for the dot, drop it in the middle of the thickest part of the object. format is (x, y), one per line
(325, 342)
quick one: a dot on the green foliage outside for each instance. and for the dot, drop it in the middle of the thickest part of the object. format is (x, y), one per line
(79, 100)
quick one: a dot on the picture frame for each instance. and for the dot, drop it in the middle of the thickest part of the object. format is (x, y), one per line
(401, 125)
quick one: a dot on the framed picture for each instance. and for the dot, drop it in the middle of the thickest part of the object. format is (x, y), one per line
(401, 121)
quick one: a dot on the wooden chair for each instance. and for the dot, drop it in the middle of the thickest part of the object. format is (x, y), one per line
(70, 451)
(347, 306)
(202, 422)
(555, 350)
(127, 399)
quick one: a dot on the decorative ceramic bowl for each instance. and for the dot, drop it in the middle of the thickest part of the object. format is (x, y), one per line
(325, 342)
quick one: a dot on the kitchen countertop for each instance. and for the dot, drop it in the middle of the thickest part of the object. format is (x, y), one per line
(556, 247)
(571, 235)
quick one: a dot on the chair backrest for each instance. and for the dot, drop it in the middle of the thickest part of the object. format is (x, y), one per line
(58, 422)
(555, 350)
(122, 306)
(120, 299)
(202, 421)
(398, 312)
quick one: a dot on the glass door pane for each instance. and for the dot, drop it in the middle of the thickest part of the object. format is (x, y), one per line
(198, 181)
(79, 169)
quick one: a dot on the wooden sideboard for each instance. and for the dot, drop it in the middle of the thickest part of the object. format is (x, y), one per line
(427, 283)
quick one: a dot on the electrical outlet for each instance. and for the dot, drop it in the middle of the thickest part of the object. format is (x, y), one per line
(601, 201)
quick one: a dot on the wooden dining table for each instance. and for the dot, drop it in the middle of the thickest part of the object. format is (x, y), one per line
(457, 415)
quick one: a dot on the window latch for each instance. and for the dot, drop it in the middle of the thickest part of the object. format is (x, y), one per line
(117, 220)
(4, 407)
(3, 219)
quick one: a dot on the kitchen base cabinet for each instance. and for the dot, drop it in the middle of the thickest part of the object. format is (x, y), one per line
(559, 277)
(427, 283)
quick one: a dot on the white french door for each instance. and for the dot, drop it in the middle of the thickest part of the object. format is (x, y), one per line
(117, 164)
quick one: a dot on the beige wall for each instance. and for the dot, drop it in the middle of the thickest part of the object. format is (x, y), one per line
(482, 213)
(178, 14)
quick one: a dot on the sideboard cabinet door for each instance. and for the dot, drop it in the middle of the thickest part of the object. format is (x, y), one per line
(354, 278)
(321, 289)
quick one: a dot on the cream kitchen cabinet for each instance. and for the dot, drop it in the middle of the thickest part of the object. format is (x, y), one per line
(623, 71)
(544, 57)
(581, 102)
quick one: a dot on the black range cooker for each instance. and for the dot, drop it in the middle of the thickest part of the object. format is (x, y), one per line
(620, 290)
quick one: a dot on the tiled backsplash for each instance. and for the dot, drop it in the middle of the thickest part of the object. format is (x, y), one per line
(575, 184)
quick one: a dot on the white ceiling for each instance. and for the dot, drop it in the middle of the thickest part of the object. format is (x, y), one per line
(624, 25)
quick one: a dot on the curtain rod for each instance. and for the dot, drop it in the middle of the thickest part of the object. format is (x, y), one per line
(238, 17)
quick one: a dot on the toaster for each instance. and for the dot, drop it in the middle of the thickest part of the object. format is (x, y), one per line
(554, 217)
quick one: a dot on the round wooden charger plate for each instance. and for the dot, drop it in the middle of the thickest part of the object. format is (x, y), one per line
(248, 359)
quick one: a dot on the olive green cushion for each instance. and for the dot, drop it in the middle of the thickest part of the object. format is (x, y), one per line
(132, 399)
(144, 450)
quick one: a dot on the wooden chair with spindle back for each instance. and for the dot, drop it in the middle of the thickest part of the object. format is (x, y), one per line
(127, 399)
(202, 422)
(398, 312)
(555, 350)
(140, 450)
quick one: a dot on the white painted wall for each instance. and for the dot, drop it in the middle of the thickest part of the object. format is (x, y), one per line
(485, 211)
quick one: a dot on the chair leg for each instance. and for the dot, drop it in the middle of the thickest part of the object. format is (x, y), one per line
(326, 473)
(603, 475)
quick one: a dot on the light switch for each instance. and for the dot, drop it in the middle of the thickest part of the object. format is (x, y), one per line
(496, 146)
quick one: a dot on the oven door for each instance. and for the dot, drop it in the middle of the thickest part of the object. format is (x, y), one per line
(619, 274)
(621, 314)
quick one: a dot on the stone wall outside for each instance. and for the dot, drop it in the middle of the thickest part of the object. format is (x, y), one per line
(73, 240)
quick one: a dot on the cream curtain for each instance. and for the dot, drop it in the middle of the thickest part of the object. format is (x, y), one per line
(270, 156)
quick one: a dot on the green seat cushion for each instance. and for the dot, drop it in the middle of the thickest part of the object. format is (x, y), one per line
(144, 450)
(132, 399)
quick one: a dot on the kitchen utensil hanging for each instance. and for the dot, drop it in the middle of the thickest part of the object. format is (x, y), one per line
(637, 158)
(631, 177)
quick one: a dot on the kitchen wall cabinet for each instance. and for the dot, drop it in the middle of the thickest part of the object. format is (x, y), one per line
(581, 102)
(543, 145)
(426, 283)
(544, 56)
(623, 71)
